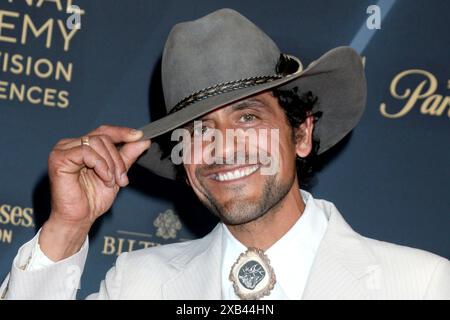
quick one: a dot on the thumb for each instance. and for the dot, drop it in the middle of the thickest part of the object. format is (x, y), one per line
(132, 150)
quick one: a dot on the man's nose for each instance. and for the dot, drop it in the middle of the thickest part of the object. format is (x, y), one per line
(233, 145)
(223, 144)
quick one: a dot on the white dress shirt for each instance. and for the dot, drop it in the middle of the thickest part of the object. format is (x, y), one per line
(291, 257)
(38, 260)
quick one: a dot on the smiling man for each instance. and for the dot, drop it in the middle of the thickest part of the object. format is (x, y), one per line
(221, 73)
(241, 192)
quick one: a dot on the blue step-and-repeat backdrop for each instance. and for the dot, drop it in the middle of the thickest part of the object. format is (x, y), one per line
(390, 178)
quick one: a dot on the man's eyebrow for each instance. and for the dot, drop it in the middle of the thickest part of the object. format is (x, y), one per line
(248, 103)
(252, 102)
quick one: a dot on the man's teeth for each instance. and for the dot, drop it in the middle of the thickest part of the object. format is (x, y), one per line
(235, 174)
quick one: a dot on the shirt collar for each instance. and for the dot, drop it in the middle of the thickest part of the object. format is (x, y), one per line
(291, 256)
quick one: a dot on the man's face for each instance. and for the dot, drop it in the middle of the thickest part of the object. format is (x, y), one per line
(240, 193)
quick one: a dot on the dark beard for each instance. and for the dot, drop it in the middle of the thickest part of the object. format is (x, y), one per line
(240, 211)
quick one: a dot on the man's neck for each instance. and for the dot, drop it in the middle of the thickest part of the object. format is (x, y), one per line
(268, 229)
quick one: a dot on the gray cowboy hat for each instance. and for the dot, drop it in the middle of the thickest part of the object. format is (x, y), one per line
(223, 57)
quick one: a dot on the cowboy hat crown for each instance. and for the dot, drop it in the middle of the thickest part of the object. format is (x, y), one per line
(223, 57)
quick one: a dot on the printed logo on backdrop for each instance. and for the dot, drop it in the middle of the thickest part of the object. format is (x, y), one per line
(38, 79)
(13, 216)
(167, 225)
(417, 91)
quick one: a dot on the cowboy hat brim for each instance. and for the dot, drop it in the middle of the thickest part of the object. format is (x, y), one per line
(336, 78)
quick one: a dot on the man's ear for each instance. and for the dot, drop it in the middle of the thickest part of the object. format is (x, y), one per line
(303, 137)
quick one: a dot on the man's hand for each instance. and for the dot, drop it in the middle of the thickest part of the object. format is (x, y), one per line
(84, 182)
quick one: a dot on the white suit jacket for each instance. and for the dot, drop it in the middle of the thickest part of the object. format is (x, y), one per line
(347, 266)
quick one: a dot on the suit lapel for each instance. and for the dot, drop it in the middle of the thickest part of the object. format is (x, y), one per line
(198, 275)
(343, 262)
(341, 269)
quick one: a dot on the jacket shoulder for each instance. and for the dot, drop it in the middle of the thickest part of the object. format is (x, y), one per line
(390, 271)
(403, 267)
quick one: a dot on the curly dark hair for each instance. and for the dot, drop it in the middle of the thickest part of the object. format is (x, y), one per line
(297, 108)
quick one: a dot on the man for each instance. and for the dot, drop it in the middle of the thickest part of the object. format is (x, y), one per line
(275, 240)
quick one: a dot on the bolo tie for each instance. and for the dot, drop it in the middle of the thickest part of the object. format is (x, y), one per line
(252, 275)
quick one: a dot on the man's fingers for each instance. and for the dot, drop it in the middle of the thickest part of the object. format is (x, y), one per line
(83, 156)
(131, 151)
(103, 141)
(69, 143)
(97, 143)
(115, 133)
(121, 169)
(118, 134)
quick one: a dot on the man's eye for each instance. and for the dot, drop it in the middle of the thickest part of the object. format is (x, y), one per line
(201, 131)
(247, 117)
